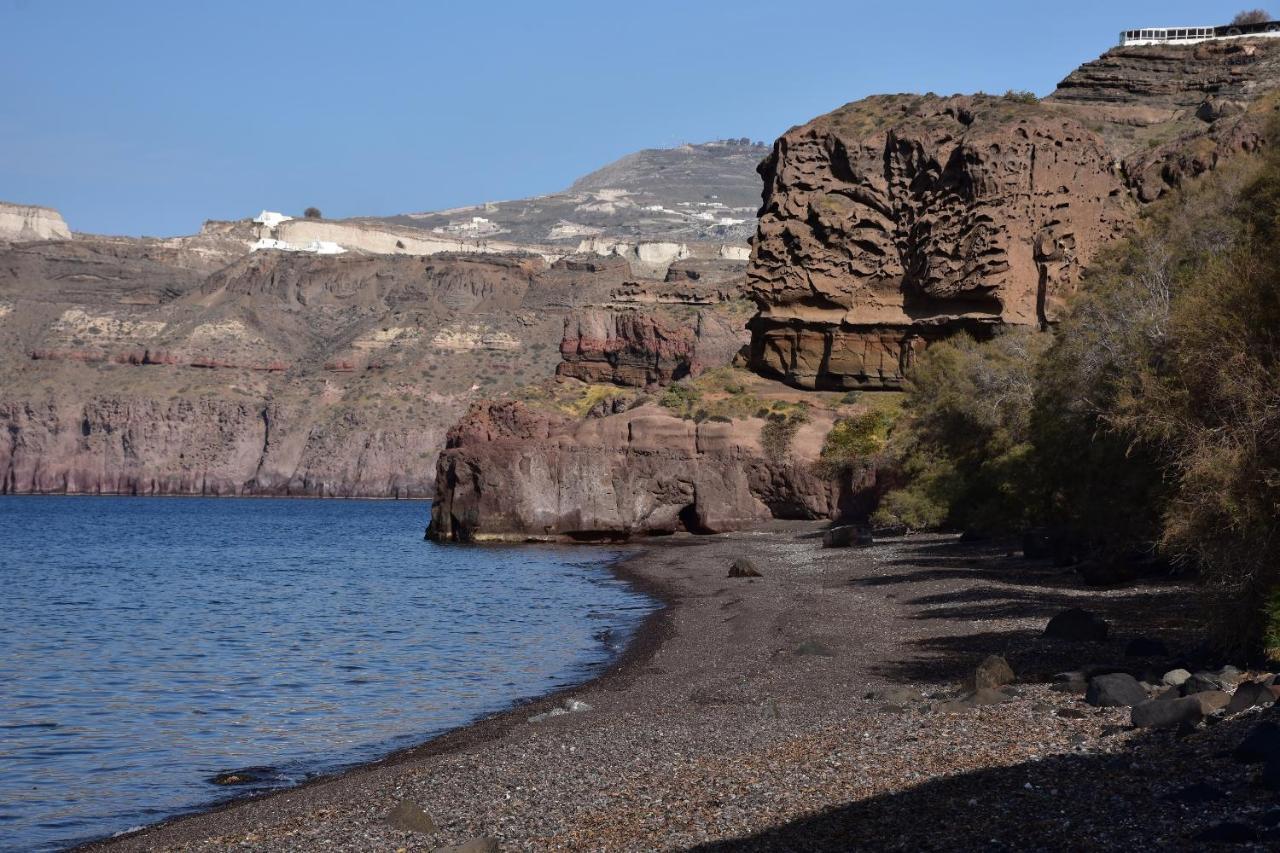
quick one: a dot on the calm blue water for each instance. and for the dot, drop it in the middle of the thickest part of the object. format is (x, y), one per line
(147, 644)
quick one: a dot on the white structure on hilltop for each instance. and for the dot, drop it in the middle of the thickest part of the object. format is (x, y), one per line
(270, 218)
(1194, 35)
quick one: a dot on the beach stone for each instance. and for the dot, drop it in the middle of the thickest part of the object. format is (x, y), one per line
(846, 536)
(1176, 677)
(1261, 744)
(1146, 647)
(412, 817)
(993, 672)
(247, 776)
(483, 844)
(1201, 682)
(1115, 690)
(744, 568)
(576, 706)
(1229, 832)
(1077, 624)
(1074, 682)
(1248, 695)
(1157, 714)
(1211, 700)
(1229, 675)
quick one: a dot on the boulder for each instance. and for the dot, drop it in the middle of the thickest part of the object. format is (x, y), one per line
(1201, 682)
(1176, 677)
(411, 817)
(1211, 700)
(1115, 690)
(1078, 625)
(744, 568)
(1248, 695)
(994, 672)
(1155, 713)
(846, 536)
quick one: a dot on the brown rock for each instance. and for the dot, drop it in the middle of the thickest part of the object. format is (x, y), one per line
(994, 672)
(412, 817)
(1211, 700)
(897, 219)
(744, 568)
(512, 473)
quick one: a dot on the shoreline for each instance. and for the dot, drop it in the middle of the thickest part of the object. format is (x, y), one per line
(819, 706)
(642, 644)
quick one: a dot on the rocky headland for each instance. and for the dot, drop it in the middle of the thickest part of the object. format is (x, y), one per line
(886, 225)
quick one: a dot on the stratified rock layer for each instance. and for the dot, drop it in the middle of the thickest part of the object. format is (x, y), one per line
(641, 348)
(512, 473)
(897, 219)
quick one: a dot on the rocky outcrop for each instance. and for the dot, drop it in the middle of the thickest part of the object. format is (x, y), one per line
(513, 473)
(1172, 113)
(898, 219)
(24, 222)
(113, 445)
(641, 348)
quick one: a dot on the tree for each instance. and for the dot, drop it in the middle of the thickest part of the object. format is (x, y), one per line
(313, 213)
(1252, 16)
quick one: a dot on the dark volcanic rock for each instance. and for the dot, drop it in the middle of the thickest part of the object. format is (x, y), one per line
(1162, 713)
(1077, 624)
(1117, 689)
(1261, 744)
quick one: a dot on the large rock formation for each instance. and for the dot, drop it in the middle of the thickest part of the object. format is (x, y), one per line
(641, 348)
(513, 473)
(897, 219)
(25, 222)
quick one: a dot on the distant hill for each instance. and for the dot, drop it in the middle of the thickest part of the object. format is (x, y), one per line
(708, 191)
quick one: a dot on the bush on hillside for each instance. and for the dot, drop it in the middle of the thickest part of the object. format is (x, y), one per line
(312, 213)
(1253, 16)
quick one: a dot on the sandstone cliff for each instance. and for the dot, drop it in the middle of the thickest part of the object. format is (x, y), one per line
(513, 473)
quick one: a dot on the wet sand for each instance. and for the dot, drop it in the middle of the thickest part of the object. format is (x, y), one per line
(803, 710)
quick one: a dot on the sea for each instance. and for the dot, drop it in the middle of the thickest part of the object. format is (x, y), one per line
(149, 645)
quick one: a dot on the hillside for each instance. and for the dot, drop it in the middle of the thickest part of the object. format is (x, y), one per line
(705, 192)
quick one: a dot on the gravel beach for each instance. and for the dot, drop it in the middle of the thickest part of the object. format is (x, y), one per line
(811, 708)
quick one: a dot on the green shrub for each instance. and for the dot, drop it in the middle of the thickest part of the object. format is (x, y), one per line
(778, 431)
(855, 442)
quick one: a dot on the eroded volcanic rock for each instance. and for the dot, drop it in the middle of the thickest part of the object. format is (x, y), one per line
(641, 348)
(510, 472)
(897, 219)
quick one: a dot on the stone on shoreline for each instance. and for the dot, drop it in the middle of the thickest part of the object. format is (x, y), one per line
(992, 673)
(1176, 677)
(1159, 714)
(412, 817)
(1077, 624)
(1248, 695)
(744, 568)
(1115, 690)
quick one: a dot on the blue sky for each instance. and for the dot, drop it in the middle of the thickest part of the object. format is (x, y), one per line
(150, 117)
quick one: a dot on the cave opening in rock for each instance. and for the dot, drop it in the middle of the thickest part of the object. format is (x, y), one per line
(689, 521)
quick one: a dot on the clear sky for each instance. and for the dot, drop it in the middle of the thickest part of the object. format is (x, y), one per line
(140, 117)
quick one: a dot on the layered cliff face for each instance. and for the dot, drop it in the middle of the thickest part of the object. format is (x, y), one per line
(897, 219)
(513, 473)
(642, 348)
(139, 369)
